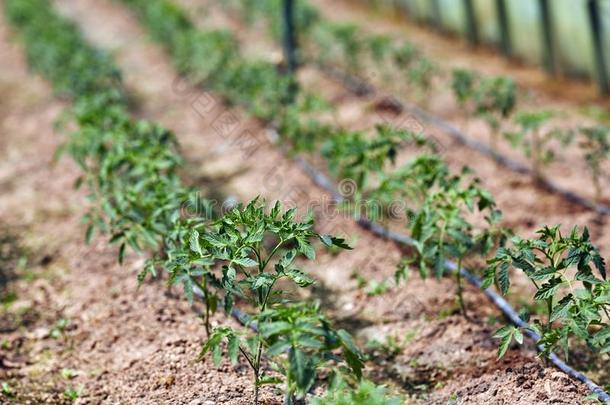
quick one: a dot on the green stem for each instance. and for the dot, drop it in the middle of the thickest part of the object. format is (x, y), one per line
(549, 306)
(459, 288)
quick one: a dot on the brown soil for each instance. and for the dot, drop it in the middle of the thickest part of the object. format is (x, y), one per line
(139, 346)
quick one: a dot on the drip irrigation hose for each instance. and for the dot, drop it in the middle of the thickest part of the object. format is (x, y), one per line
(324, 182)
(362, 88)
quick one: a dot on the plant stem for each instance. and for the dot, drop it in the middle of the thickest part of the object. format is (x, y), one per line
(459, 288)
(549, 305)
(256, 387)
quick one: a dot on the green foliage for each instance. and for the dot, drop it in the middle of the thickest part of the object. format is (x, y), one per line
(491, 98)
(339, 43)
(352, 156)
(595, 147)
(463, 85)
(536, 143)
(55, 48)
(214, 58)
(556, 265)
(365, 393)
(254, 250)
(136, 195)
(441, 229)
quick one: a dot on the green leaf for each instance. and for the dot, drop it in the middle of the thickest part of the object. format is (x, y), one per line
(122, 253)
(505, 334)
(548, 290)
(561, 308)
(504, 278)
(89, 234)
(287, 259)
(194, 243)
(300, 278)
(233, 348)
(262, 280)
(245, 262)
(301, 370)
(351, 353)
(305, 248)
(330, 241)
(275, 328)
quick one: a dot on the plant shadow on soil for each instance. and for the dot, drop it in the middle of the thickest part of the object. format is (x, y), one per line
(382, 354)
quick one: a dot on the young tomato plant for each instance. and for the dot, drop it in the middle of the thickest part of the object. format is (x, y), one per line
(410, 184)
(339, 39)
(365, 393)
(380, 50)
(441, 230)
(595, 146)
(569, 275)
(420, 74)
(254, 250)
(463, 85)
(534, 142)
(492, 98)
(302, 342)
(351, 155)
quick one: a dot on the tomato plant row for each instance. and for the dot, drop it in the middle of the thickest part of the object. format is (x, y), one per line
(130, 170)
(441, 206)
(494, 99)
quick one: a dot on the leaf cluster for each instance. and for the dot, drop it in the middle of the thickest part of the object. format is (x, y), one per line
(569, 274)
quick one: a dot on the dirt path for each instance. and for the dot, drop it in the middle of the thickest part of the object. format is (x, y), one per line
(442, 356)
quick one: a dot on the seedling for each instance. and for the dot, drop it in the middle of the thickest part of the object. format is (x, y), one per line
(492, 99)
(409, 184)
(441, 230)
(462, 85)
(254, 250)
(379, 47)
(7, 391)
(59, 329)
(534, 142)
(557, 265)
(68, 373)
(73, 394)
(403, 55)
(595, 146)
(352, 156)
(365, 393)
(421, 73)
(350, 44)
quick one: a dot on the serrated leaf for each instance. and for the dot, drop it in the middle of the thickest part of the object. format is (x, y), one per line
(305, 248)
(561, 308)
(548, 290)
(505, 344)
(504, 278)
(194, 243)
(302, 370)
(300, 278)
(245, 262)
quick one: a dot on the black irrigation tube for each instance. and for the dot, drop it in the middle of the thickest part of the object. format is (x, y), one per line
(362, 88)
(324, 182)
